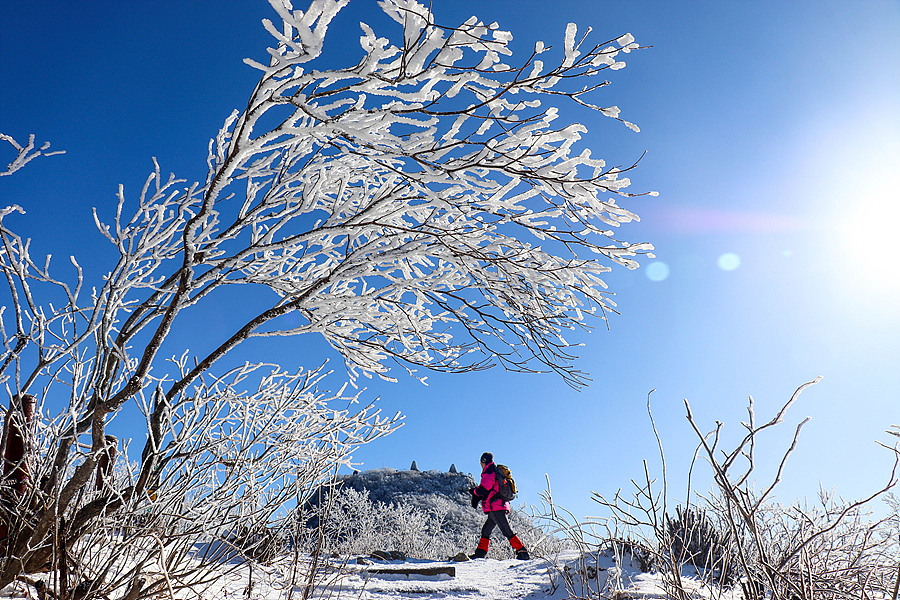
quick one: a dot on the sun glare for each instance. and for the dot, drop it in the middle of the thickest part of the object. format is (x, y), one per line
(859, 204)
(871, 235)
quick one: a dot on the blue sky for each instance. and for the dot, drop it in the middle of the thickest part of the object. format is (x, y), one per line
(772, 134)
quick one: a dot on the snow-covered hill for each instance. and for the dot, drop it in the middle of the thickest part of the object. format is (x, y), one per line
(422, 489)
(443, 496)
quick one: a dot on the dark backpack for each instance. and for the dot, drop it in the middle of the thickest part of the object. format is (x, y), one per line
(506, 485)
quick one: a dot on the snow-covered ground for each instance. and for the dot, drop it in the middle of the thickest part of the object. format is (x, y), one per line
(484, 579)
(488, 578)
(558, 579)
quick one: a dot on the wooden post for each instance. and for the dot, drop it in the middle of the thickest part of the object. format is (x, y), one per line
(16, 426)
(438, 570)
(15, 467)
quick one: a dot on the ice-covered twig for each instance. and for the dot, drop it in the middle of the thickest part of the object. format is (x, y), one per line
(26, 153)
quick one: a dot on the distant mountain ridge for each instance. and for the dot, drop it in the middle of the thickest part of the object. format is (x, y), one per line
(430, 491)
(391, 486)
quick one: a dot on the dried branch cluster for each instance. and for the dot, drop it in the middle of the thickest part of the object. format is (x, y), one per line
(421, 206)
(736, 538)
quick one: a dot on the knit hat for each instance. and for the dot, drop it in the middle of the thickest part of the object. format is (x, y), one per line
(487, 458)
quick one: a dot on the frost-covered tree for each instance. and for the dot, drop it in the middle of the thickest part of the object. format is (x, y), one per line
(424, 206)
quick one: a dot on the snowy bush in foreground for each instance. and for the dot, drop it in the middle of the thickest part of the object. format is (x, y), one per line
(834, 550)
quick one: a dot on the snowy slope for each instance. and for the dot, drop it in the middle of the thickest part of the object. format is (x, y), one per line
(558, 578)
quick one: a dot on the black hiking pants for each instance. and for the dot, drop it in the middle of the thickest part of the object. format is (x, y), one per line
(497, 518)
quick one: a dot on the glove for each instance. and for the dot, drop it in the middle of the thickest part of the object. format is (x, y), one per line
(475, 500)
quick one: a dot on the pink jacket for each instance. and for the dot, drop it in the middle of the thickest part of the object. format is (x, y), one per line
(488, 491)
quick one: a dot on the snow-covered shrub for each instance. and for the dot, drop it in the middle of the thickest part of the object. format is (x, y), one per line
(634, 550)
(356, 525)
(258, 543)
(601, 553)
(735, 537)
(832, 550)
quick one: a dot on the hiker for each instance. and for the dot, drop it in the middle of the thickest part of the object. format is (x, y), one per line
(496, 509)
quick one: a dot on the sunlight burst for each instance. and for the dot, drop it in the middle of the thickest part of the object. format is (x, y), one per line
(871, 235)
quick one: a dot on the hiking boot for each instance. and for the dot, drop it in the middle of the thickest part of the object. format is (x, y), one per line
(523, 554)
(482, 550)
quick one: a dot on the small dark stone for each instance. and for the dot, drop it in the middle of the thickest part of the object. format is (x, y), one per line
(81, 590)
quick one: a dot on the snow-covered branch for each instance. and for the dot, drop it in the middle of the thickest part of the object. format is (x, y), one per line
(26, 153)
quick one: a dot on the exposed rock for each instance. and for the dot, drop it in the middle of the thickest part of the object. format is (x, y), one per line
(461, 557)
(414, 466)
(453, 468)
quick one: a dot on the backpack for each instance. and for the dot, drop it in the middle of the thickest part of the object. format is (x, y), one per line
(506, 485)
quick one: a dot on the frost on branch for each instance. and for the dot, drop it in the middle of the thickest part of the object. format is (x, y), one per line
(443, 208)
(25, 153)
(427, 206)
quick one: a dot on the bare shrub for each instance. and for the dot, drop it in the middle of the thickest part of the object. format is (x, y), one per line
(830, 551)
(591, 539)
(735, 536)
